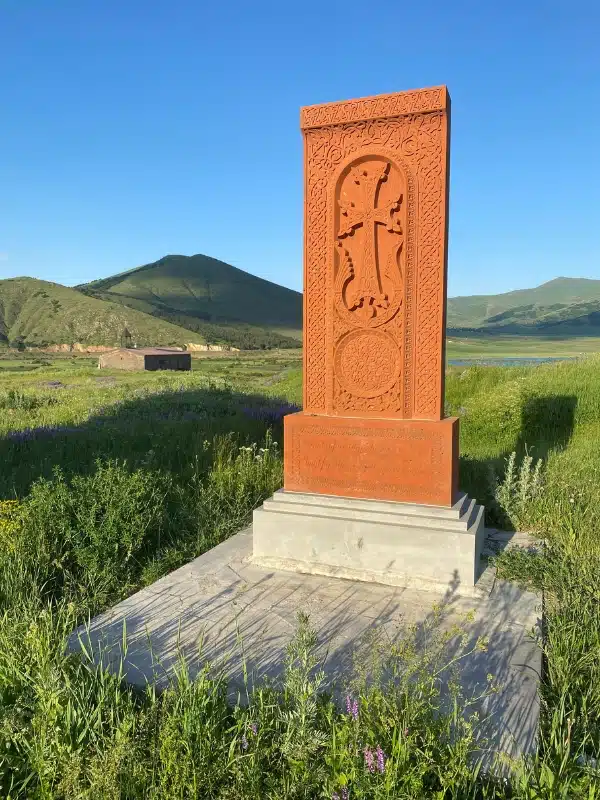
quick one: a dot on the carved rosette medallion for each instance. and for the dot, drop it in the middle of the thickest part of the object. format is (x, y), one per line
(367, 363)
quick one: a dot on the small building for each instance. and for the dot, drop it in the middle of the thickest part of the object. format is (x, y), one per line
(145, 358)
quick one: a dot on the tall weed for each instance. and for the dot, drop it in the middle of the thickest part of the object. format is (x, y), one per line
(517, 492)
(14, 400)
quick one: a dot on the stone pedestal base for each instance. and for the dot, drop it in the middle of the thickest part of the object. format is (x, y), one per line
(406, 460)
(399, 544)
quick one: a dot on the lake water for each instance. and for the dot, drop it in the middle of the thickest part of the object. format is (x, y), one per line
(518, 361)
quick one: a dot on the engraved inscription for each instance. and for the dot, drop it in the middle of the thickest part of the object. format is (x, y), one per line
(399, 461)
(392, 105)
(375, 460)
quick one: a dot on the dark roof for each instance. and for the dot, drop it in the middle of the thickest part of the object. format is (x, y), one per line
(148, 351)
(159, 351)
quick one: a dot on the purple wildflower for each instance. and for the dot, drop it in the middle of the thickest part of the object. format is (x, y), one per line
(254, 728)
(42, 432)
(343, 796)
(352, 707)
(244, 742)
(270, 413)
(369, 760)
(380, 760)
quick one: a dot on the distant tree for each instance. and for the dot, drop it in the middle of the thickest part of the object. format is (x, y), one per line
(126, 338)
(72, 335)
(18, 344)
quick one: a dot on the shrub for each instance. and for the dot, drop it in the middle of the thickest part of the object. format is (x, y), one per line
(9, 523)
(83, 536)
(520, 488)
(16, 400)
(220, 502)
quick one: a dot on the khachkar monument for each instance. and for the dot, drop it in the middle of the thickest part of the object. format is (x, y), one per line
(371, 463)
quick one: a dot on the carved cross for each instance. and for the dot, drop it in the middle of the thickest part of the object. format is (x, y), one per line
(369, 293)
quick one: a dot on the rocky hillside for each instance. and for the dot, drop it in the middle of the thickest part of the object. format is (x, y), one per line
(40, 313)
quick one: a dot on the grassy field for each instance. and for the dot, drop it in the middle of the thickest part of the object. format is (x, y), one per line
(468, 348)
(491, 346)
(111, 479)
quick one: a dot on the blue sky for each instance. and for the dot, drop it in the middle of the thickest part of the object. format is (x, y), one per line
(130, 129)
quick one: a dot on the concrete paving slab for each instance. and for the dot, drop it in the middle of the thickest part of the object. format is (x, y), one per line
(222, 609)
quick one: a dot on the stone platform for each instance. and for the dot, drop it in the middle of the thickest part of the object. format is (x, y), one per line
(234, 611)
(409, 545)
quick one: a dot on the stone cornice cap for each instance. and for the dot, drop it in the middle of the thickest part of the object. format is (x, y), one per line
(383, 106)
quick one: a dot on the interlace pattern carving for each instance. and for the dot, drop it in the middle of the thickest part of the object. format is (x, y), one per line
(430, 338)
(374, 261)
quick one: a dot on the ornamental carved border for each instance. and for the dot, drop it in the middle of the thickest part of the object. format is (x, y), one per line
(419, 101)
(418, 143)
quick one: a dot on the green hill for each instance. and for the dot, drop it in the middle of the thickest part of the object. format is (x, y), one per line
(198, 299)
(234, 334)
(40, 313)
(564, 306)
(198, 291)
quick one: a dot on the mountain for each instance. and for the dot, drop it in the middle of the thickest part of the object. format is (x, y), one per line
(563, 306)
(40, 313)
(175, 300)
(198, 291)
(197, 299)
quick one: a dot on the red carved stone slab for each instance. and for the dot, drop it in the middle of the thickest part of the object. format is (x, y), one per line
(376, 197)
(404, 460)
(375, 263)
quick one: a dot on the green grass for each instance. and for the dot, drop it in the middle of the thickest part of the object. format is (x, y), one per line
(113, 479)
(479, 346)
(551, 413)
